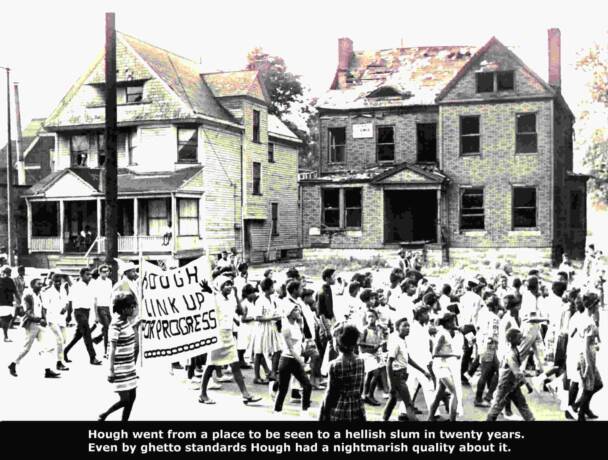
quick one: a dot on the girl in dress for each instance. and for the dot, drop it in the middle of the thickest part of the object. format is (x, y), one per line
(266, 339)
(346, 375)
(444, 354)
(123, 374)
(371, 343)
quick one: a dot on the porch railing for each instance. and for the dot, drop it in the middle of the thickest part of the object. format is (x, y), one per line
(133, 244)
(45, 244)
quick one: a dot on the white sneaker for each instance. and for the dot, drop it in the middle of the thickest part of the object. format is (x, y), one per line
(513, 417)
(224, 379)
(213, 385)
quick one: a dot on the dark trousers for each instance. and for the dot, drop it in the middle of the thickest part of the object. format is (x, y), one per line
(287, 368)
(509, 391)
(83, 331)
(489, 376)
(467, 351)
(399, 391)
(105, 319)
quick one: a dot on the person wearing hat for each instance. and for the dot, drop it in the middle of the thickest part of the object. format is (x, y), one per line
(8, 298)
(127, 284)
(82, 300)
(226, 355)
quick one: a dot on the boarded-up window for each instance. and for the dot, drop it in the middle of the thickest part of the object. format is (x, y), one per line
(256, 126)
(352, 207)
(426, 134)
(187, 145)
(270, 152)
(337, 144)
(331, 207)
(187, 212)
(157, 217)
(526, 141)
(471, 209)
(79, 150)
(577, 209)
(257, 178)
(275, 219)
(524, 207)
(469, 135)
(385, 143)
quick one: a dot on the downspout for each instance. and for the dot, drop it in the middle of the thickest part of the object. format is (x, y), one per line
(242, 201)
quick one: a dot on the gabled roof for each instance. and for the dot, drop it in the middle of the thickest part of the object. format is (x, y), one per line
(478, 55)
(416, 74)
(419, 173)
(237, 83)
(279, 129)
(129, 182)
(29, 140)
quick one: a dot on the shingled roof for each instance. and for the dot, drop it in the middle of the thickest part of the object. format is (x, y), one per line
(236, 83)
(397, 77)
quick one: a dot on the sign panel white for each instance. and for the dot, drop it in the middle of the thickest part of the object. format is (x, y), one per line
(363, 131)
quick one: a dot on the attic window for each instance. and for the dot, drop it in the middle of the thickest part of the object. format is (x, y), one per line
(490, 82)
(504, 80)
(385, 91)
(485, 82)
(131, 94)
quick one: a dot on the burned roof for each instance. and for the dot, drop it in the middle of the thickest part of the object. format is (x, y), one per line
(397, 77)
(378, 173)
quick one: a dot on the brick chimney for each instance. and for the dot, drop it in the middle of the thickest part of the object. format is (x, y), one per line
(345, 52)
(555, 58)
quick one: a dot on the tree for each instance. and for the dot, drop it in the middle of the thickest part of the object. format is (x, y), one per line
(284, 87)
(592, 132)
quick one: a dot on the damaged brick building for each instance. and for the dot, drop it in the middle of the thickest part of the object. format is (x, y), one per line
(464, 151)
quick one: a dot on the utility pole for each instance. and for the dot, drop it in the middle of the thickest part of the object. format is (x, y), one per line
(111, 135)
(9, 170)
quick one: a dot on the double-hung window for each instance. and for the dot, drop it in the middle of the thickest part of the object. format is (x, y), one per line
(471, 209)
(341, 208)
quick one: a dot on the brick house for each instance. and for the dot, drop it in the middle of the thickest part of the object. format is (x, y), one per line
(187, 143)
(461, 150)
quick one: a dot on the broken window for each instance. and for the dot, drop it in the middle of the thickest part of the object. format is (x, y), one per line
(257, 178)
(79, 150)
(505, 80)
(485, 82)
(275, 218)
(352, 206)
(101, 149)
(331, 207)
(469, 135)
(270, 152)
(426, 134)
(524, 207)
(256, 126)
(385, 143)
(187, 145)
(134, 94)
(337, 145)
(471, 209)
(526, 140)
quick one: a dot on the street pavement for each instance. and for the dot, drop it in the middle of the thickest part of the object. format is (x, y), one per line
(83, 392)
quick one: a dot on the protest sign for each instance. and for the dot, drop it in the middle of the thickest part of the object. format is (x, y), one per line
(178, 317)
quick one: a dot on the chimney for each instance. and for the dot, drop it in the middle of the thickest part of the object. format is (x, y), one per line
(19, 142)
(555, 58)
(345, 53)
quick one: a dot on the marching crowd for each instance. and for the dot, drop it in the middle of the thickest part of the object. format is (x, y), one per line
(359, 340)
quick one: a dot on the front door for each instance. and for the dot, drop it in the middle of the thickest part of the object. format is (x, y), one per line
(410, 216)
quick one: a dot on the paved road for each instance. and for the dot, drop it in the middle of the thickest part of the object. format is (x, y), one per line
(83, 393)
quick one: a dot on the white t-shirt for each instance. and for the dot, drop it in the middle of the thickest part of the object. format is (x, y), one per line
(419, 344)
(82, 295)
(295, 340)
(103, 291)
(470, 303)
(54, 301)
(397, 349)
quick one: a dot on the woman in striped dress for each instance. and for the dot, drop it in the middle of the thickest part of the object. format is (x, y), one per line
(123, 373)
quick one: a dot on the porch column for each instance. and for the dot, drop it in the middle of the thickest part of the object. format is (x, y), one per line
(98, 225)
(174, 221)
(438, 215)
(136, 222)
(28, 204)
(61, 230)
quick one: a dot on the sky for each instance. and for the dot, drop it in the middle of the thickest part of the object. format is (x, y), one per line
(49, 44)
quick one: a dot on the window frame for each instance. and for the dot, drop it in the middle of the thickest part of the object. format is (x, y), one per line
(141, 93)
(479, 74)
(331, 159)
(187, 144)
(513, 209)
(101, 148)
(255, 192)
(256, 122)
(517, 133)
(418, 151)
(460, 136)
(86, 153)
(342, 209)
(274, 217)
(189, 218)
(378, 144)
(497, 73)
(271, 152)
(463, 191)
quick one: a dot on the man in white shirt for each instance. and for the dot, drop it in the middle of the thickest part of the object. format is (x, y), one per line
(102, 288)
(35, 329)
(419, 347)
(470, 304)
(488, 324)
(82, 299)
(55, 302)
